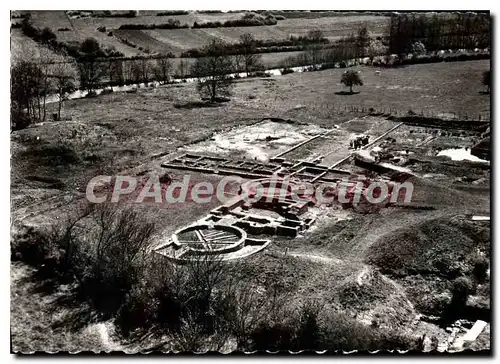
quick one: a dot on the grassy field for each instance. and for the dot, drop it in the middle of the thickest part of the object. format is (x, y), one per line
(438, 88)
(120, 130)
(178, 40)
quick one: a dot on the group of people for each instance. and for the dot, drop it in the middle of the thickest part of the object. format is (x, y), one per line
(359, 142)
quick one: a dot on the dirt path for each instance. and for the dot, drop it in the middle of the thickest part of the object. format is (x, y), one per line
(107, 342)
(316, 258)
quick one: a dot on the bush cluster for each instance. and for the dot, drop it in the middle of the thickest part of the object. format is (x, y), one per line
(433, 58)
(286, 71)
(102, 249)
(248, 20)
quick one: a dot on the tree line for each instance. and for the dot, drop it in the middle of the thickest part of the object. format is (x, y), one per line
(438, 31)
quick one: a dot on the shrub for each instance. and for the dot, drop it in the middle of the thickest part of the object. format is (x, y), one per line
(309, 335)
(480, 269)
(179, 299)
(115, 247)
(107, 91)
(418, 48)
(47, 35)
(102, 247)
(19, 119)
(260, 74)
(286, 71)
(272, 336)
(52, 155)
(32, 246)
(461, 288)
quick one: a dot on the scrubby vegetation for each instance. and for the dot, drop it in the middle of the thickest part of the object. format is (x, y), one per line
(444, 259)
(444, 247)
(202, 304)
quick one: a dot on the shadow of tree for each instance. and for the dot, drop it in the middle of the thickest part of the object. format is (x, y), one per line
(347, 93)
(196, 105)
(68, 299)
(78, 315)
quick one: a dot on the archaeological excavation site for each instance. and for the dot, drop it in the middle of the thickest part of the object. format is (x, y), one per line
(250, 182)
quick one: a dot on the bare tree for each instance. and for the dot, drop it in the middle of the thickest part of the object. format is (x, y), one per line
(249, 52)
(89, 67)
(145, 69)
(24, 90)
(136, 71)
(44, 60)
(183, 68)
(376, 48)
(314, 55)
(315, 35)
(64, 83)
(242, 308)
(116, 72)
(239, 63)
(162, 69)
(213, 71)
(362, 41)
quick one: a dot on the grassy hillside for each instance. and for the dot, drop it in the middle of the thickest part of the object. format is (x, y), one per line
(445, 246)
(24, 47)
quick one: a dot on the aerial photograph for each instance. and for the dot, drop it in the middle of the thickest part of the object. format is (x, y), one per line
(250, 182)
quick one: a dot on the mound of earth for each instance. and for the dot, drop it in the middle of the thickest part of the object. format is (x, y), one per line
(447, 247)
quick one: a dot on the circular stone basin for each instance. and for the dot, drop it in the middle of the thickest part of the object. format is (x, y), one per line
(210, 239)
